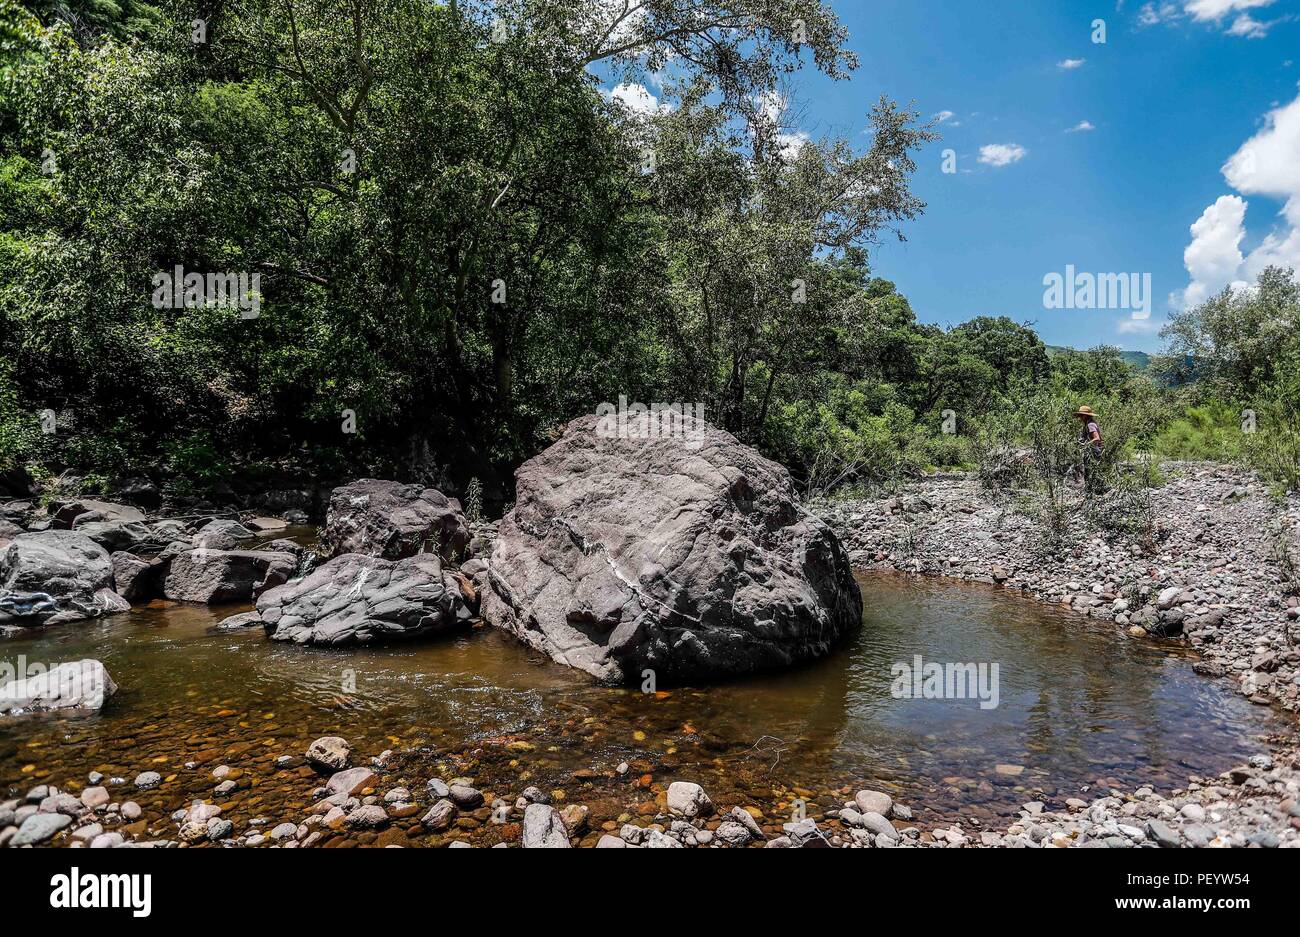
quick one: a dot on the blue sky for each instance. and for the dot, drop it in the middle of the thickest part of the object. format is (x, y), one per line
(1171, 95)
(1070, 152)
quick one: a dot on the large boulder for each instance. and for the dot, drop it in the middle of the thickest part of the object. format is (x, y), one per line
(66, 515)
(687, 554)
(82, 684)
(53, 576)
(118, 535)
(354, 599)
(390, 520)
(135, 578)
(217, 576)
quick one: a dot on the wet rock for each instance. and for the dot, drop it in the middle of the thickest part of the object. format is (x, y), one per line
(146, 780)
(607, 841)
(367, 817)
(874, 802)
(440, 816)
(357, 599)
(390, 520)
(76, 685)
(283, 832)
(688, 799)
(329, 753)
(689, 556)
(216, 576)
(55, 576)
(544, 828)
(94, 797)
(40, 827)
(465, 797)
(351, 782)
(240, 622)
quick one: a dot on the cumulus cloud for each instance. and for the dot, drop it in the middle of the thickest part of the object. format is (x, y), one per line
(1232, 16)
(1082, 126)
(944, 115)
(1069, 64)
(1264, 165)
(1216, 10)
(636, 98)
(1002, 154)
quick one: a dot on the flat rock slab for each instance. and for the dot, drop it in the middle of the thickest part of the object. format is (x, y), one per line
(355, 599)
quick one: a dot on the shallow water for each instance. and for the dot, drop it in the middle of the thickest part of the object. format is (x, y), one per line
(1080, 705)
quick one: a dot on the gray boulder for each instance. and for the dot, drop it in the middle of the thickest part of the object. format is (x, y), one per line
(82, 684)
(216, 576)
(390, 520)
(687, 554)
(222, 535)
(67, 515)
(135, 578)
(117, 535)
(53, 576)
(355, 599)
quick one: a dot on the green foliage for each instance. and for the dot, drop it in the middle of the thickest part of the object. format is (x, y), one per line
(1211, 432)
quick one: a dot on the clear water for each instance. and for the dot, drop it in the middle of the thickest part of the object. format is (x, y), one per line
(1081, 705)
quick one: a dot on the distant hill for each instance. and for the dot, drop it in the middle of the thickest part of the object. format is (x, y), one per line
(1138, 359)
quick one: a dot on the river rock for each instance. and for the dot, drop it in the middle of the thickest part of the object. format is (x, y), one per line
(440, 816)
(39, 827)
(53, 576)
(116, 535)
(330, 753)
(544, 828)
(688, 799)
(67, 515)
(390, 520)
(222, 534)
(82, 684)
(216, 576)
(688, 555)
(356, 599)
(135, 578)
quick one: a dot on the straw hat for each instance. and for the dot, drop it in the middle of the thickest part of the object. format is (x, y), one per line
(1084, 411)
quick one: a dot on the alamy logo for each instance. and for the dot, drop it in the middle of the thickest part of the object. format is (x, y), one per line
(1098, 291)
(181, 290)
(101, 890)
(930, 680)
(653, 421)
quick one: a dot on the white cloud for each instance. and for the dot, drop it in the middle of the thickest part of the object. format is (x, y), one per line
(1249, 27)
(1215, 10)
(636, 98)
(1152, 14)
(944, 115)
(1264, 165)
(1231, 16)
(1002, 154)
(1082, 126)
(1214, 256)
(1069, 63)
(1130, 326)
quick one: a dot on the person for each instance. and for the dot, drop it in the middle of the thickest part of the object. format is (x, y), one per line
(1089, 442)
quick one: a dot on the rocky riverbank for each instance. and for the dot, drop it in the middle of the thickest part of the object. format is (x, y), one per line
(1212, 572)
(1209, 577)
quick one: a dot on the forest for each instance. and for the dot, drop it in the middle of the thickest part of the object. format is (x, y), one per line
(447, 242)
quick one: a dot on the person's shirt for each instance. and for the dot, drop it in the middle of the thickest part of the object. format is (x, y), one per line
(1092, 434)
